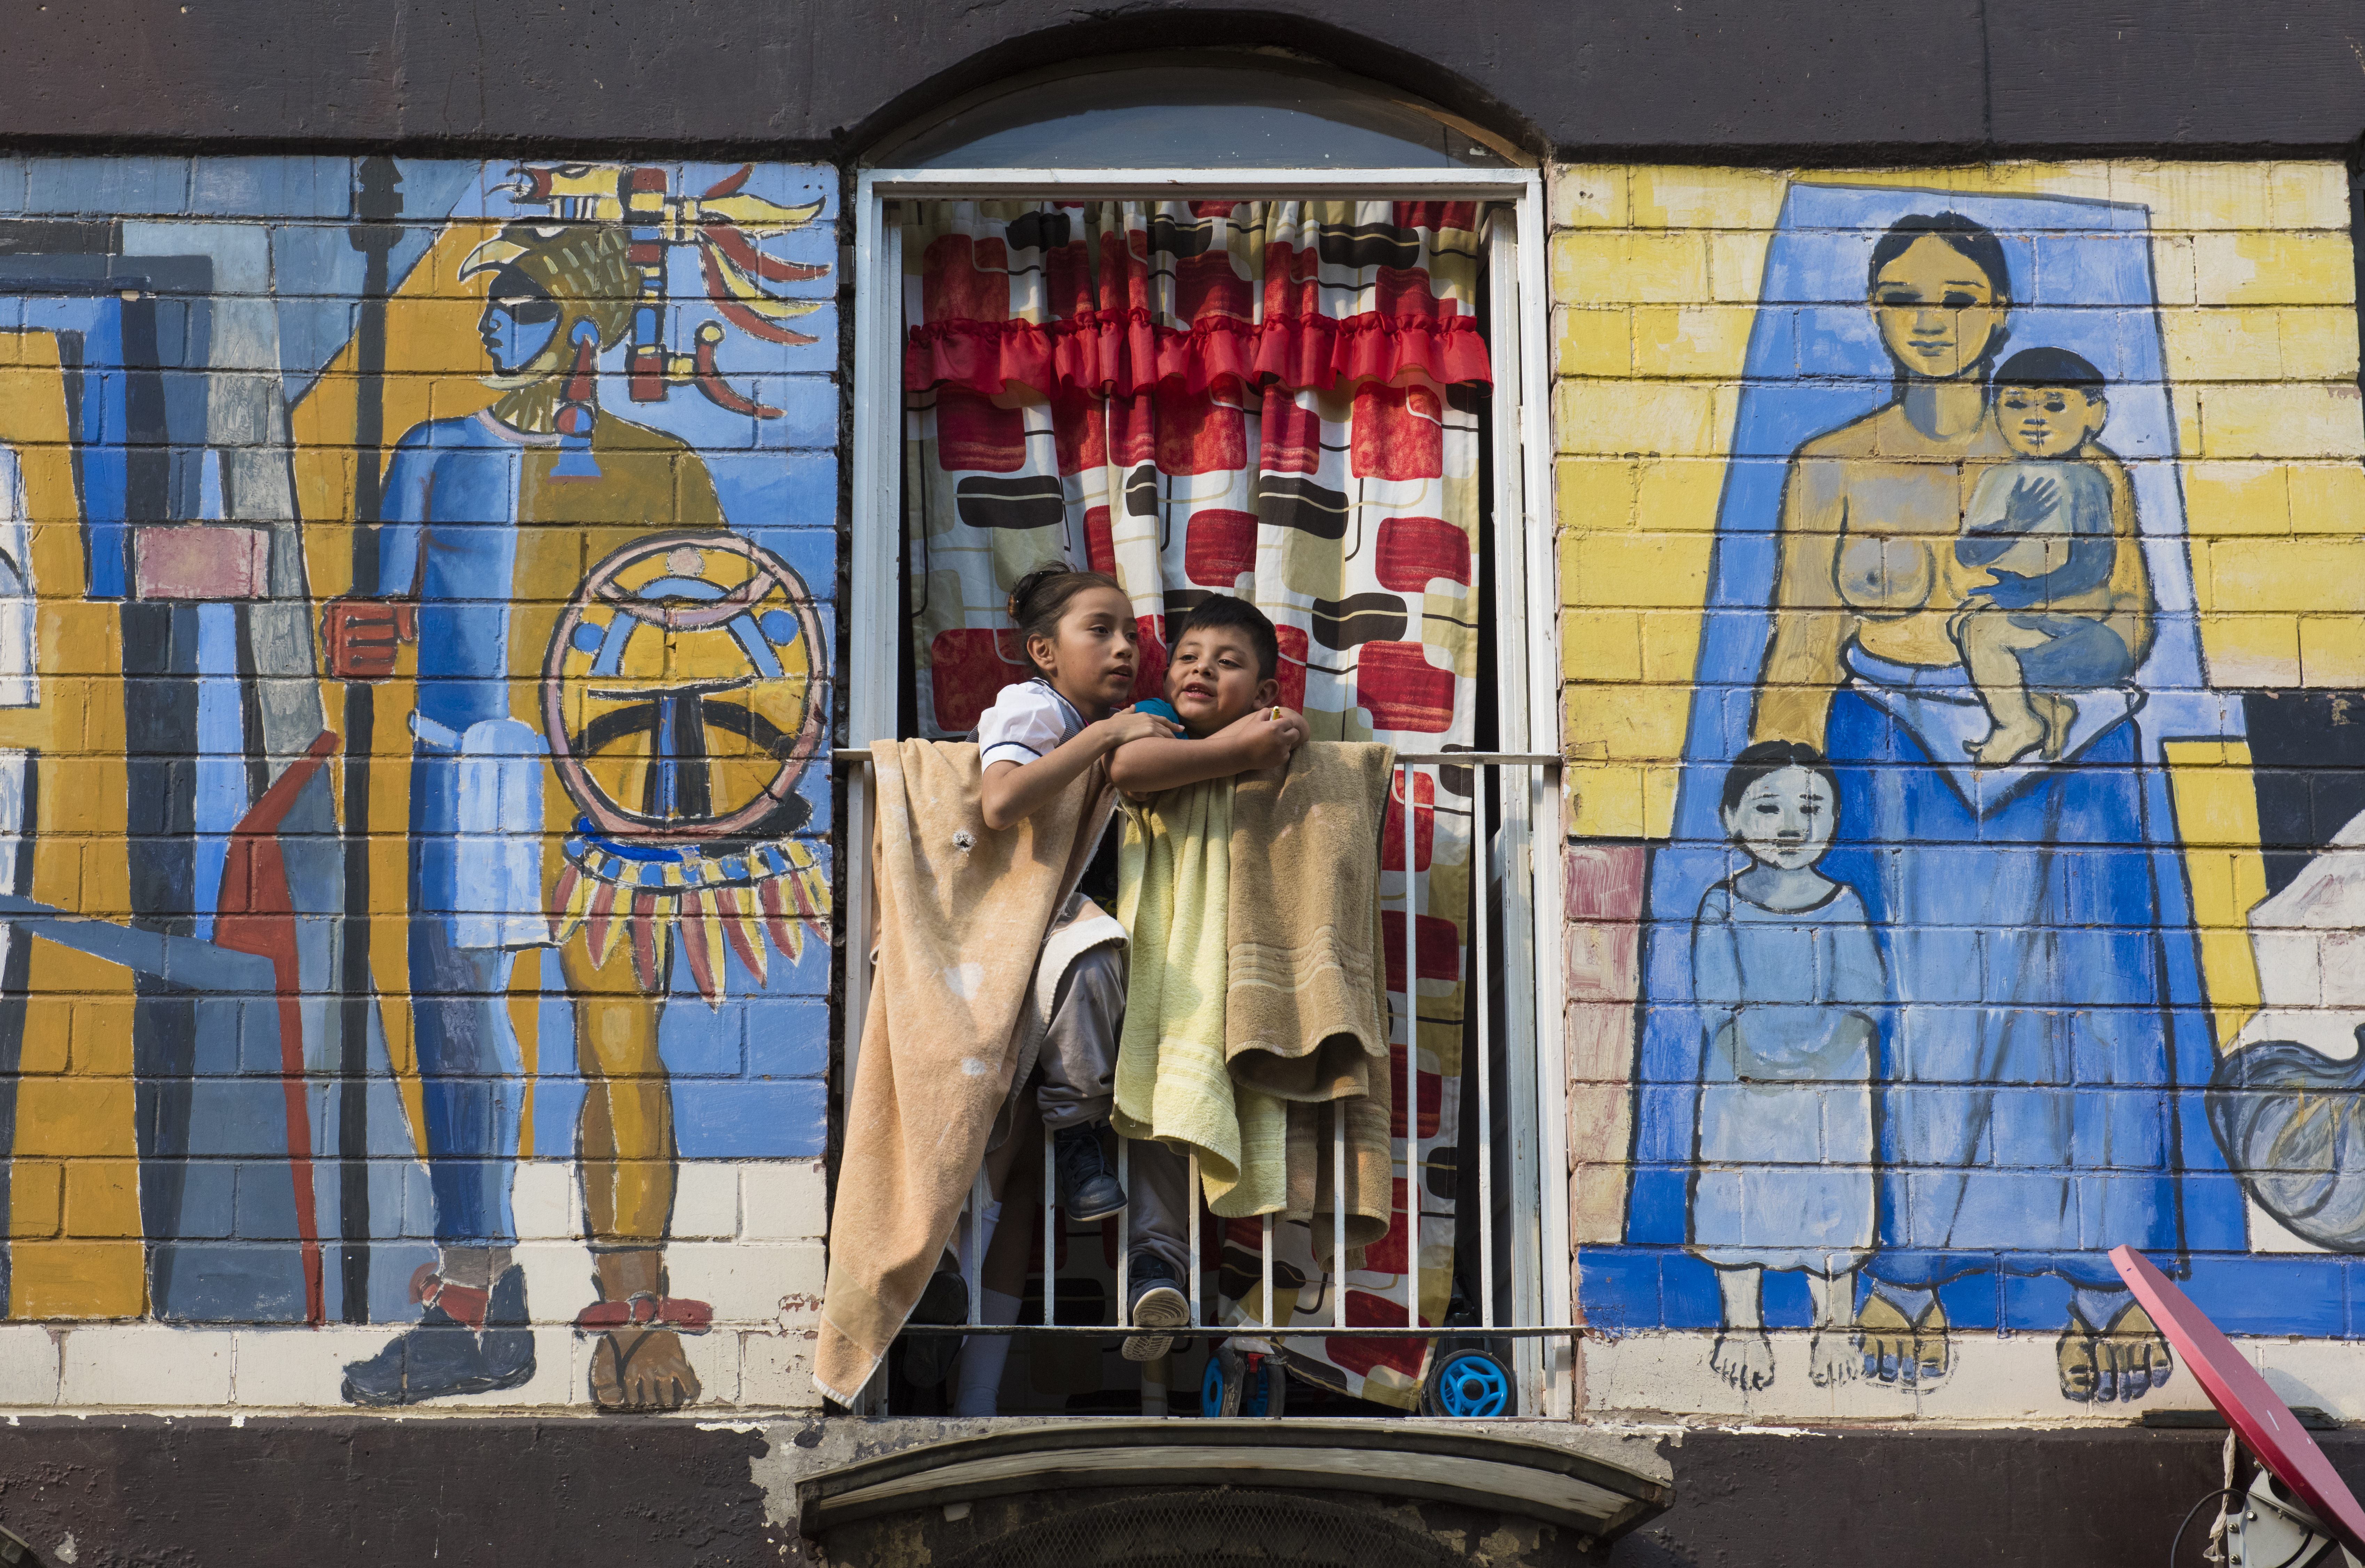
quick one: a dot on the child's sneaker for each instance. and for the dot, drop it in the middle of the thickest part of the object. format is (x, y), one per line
(1157, 1303)
(1088, 1184)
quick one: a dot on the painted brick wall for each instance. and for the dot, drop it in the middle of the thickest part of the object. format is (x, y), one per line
(2060, 952)
(416, 589)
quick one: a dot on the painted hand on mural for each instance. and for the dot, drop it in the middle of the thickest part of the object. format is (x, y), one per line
(362, 636)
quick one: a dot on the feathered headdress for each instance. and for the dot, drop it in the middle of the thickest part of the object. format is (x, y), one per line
(725, 225)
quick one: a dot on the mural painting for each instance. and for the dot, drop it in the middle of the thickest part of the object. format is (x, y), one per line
(414, 651)
(1926, 999)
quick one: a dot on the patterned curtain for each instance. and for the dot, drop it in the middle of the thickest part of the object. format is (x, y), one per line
(1277, 400)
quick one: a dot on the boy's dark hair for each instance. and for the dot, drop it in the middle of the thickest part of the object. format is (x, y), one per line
(1222, 609)
(1042, 595)
(1967, 238)
(2050, 367)
(1768, 757)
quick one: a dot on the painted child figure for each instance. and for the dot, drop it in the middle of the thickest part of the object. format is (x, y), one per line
(1788, 979)
(2041, 525)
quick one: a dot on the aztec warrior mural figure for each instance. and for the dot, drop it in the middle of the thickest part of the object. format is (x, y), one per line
(587, 924)
(1923, 1017)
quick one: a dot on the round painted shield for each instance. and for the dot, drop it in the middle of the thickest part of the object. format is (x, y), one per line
(683, 693)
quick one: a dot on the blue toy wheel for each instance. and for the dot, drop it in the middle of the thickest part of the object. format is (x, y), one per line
(1471, 1382)
(1211, 1388)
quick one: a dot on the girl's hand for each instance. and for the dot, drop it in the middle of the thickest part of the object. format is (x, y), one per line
(1133, 724)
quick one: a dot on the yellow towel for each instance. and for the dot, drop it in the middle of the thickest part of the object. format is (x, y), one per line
(962, 911)
(1174, 874)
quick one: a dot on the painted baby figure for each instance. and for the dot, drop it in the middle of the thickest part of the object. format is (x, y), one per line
(1789, 981)
(2041, 525)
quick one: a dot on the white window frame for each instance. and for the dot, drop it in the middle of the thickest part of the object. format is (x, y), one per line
(1526, 630)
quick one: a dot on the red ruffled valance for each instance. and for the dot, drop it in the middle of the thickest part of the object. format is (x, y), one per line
(1121, 352)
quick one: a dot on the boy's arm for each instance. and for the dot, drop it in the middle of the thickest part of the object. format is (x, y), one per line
(1247, 745)
(1012, 792)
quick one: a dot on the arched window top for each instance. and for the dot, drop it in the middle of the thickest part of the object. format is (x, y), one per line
(1194, 111)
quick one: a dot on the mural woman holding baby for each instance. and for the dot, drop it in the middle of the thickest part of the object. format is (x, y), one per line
(2023, 1120)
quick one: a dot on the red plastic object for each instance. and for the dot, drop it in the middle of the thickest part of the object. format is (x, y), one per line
(2242, 1397)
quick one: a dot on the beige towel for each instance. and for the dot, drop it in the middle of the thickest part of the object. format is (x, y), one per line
(1306, 1020)
(961, 911)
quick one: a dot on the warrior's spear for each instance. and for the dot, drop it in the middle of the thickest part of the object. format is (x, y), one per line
(378, 201)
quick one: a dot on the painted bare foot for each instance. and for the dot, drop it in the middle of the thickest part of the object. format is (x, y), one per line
(2058, 713)
(635, 1370)
(638, 1363)
(2125, 1362)
(1744, 1358)
(1832, 1358)
(1902, 1354)
(2006, 742)
(2077, 1360)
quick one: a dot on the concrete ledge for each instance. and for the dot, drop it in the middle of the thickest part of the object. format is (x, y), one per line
(1583, 1481)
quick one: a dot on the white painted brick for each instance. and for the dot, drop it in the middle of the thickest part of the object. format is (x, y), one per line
(290, 1368)
(746, 1282)
(785, 1200)
(557, 1280)
(546, 1200)
(28, 1365)
(146, 1365)
(775, 1371)
(706, 1201)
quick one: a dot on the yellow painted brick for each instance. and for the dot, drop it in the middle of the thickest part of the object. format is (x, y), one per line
(2326, 498)
(2332, 647)
(1680, 494)
(2184, 400)
(1710, 341)
(1671, 640)
(1600, 645)
(2319, 342)
(2224, 344)
(2311, 196)
(1660, 783)
(2197, 195)
(1592, 341)
(73, 1115)
(34, 1188)
(1605, 799)
(2296, 418)
(1590, 195)
(1594, 495)
(49, 1035)
(2171, 268)
(2302, 267)
(1642, 571)
(1630, 724)
(2290, 575)
(1680, 197)
(1594, 266)
(1676, 418)
(2237, 498)
(1736, 265)
(101, 1198)
(2250, 650)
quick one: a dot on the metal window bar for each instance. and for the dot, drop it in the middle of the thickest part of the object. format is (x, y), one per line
(1491, 766)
